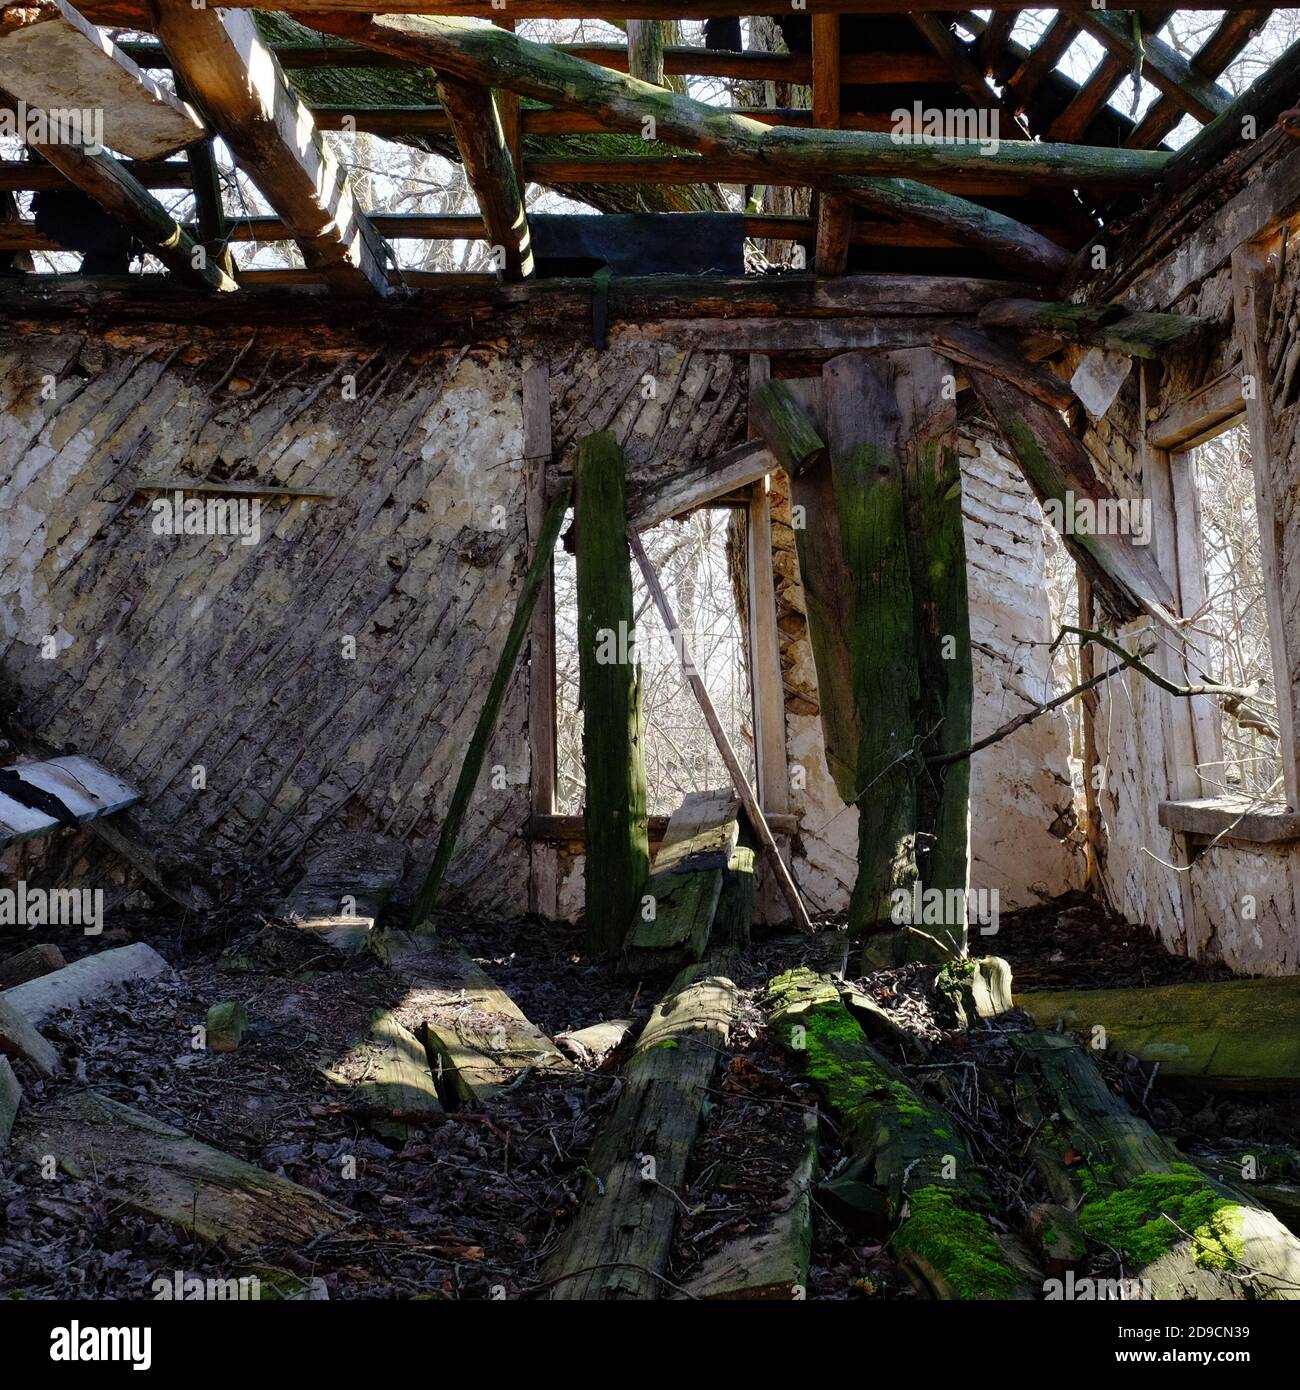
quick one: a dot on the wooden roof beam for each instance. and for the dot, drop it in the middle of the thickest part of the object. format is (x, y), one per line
(1098, 89)
(828, 160)
(122, 11)
(834, 216)
(53, 59)
(243, 91)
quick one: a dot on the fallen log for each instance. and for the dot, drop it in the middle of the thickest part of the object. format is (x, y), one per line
(30, 964)
(388, 1077)
(345, 888)
(772, 1261)
(85, 980)
(479, 1037)
(899, 1145)
(618, 1244)
(1181, 1234)
(671, 927)
(1223, 1033)
(162, 1172)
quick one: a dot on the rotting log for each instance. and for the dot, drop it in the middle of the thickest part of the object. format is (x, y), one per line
(599, 1044)
(1242, 1033)
(388, 1078)
(1181, 1234)
(609, 674)
(457, 808)
(85, 980)
(771, 1261)
(777, 416)
(1272, 1183)
(618, 1244)
(150, 1167)
(670, 928)
(478, 1038)
(901, 1146)
(1059, 471)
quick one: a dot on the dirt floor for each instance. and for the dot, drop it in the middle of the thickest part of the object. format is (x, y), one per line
(473, 1207)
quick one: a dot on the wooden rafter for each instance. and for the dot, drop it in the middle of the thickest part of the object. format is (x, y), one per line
(244, 93)
(124, 11)
(1098, 89)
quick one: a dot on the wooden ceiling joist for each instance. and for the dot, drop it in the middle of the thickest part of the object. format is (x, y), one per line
(243, 91)
(1106, 79)
(52, 59)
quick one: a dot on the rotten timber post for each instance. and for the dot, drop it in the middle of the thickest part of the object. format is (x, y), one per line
(613, 734)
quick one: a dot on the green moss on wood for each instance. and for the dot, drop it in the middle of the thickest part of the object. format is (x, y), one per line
(958, 1242)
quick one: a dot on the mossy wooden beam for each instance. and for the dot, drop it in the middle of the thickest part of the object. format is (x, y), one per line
(778, 417)
(1059, 470)
(1180, 1234)
(613, 736)
(1224, 1032)
(900, 1144)
(834, 160)
(618, 1245)
(427, 897)
(968, 347)
(1110, 326)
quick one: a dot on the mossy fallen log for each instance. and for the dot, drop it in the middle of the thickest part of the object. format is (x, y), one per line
(1242, 1033)
(618, 1244)
(1180, 1233)
(902, 1146)
(388, 1077)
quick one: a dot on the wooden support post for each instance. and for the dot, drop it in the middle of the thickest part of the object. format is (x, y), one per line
(645, 50)
(613, 732)
(426, 899)
(834, 215)
(512, 122)
(741, 783)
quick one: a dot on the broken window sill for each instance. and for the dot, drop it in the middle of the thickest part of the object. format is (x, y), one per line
(1232, 818)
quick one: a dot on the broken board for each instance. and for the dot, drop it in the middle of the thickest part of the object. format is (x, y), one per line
(479, 1036)
(164, 1173)
(86, 789)
(19, 1038)
(685, 884)
(345, 888)
(388, 1076)
(84, 980)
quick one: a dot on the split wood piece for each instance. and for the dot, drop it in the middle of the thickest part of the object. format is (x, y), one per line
(735, 910)
(84, 788)
(490, 171)
(20, 1038)
(970, 347)
(164, 1173)
(226, 1024)
(539, 567)
(1059, 471)
(600, 1045)
(738, 779)
(620, 1239)
(685, 885)
(85, 980)
(345, 888)
(1225, 1033)
(1109, 326)
(772, 1261)
(737, 468)
(1182, 1235)
(899, 1144)
(55, 60)
(780, 419)
(977, 989)
(609, 678)
(478, 1035)
(388, 1076)
(231, 74)
(827, 159)
(30, 964)
(127, 201)
(11, 1097)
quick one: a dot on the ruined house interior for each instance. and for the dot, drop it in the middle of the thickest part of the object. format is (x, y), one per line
(649, 652)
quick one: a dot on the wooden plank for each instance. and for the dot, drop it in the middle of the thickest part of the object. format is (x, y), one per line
(1192, 420)
(970, 347)
(671, 928)
(85, 981)
(543, 884)
(786, 883)
(53, 59)
(480, 1037)
(618, 1244)
(345, 887)
(737, 468)
(387, 1074)
(481, 140)
(243, 92)
(149, 1167)
(1254, 279)
(1232, 818)
(109, 182)
(86, 789)
(19, 1037)
(457, 808)
(613, 728)
(11, 1097)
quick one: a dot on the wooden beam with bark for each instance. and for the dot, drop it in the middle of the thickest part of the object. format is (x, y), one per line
(243, 92)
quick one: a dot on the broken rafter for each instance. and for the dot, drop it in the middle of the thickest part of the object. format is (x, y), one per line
(234, 78)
